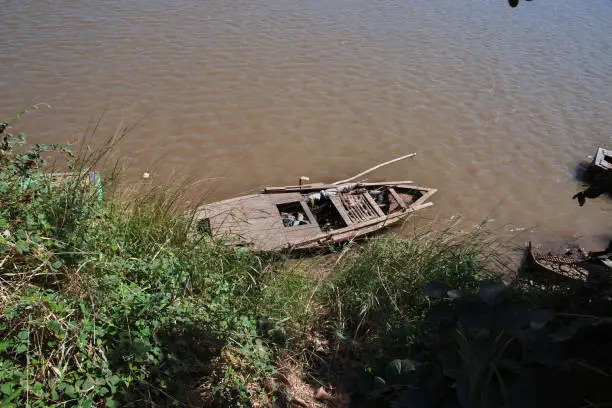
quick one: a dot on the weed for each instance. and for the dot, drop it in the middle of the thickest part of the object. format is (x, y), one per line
(379, 286)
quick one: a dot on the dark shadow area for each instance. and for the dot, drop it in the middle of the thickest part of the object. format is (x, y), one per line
(597, 180)
(544, 341)
(175, 360)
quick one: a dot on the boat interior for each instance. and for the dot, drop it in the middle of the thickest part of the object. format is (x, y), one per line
(343, 209)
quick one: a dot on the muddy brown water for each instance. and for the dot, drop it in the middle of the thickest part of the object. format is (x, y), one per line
(500, 104)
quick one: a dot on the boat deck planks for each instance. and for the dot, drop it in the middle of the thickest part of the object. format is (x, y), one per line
(337, 201)
(373, 205)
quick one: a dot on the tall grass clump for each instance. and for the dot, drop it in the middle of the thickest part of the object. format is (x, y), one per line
(379, 287)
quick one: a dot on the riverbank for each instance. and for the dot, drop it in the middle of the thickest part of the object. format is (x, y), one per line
(119, 300)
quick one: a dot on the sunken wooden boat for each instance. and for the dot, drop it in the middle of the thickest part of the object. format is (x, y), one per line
(313, 215)
(570, 266)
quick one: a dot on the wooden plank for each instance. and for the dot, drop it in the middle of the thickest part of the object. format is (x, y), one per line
(240, 214)
(329, 235)
(385, 184)
(230, 223)
(309, 214)
(362, 206)
(351, 210)
(316, 187)
(365, 231)
(397, 198)
(356, 214)
(285, 198)
(340, 207)
(427, 193)
(235, 200)
(244, 204)
(375, 206)
(365, 213)
(421, 206)
(601, 159)
(298, 234)
(262, 234)
(302, 188)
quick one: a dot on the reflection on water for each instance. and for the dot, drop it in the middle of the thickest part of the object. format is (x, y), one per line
(499, 103)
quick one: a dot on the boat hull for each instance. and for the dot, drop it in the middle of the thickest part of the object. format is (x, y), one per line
(299, 217)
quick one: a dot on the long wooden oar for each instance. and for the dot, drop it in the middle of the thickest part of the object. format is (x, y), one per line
(374, 168)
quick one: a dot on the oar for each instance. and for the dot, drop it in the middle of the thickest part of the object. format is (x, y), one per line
(374, 168)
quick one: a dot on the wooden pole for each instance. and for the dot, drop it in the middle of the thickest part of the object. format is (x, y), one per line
(374, 168)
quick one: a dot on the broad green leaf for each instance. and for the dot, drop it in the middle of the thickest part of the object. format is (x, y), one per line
(67, 389)
(455, 294)
(492, 293)
(567, 332)
(54, 326)
(398, 367)
(441, 312)
(88, 384)
(22, 247)
(510, 317)
(7, 388)
(86, 404)
(476, 315)
(414, 398)
(379, 382)
(436, 290)
(6, 402)
(540, 318)
(111, 403)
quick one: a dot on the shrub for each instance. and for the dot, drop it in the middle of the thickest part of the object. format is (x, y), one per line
(119, 300)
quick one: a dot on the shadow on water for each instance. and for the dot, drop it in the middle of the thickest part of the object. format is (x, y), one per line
(597, 181)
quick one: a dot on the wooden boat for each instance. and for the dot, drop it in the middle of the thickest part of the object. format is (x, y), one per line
(603, 159)
(566, 267)
(306, 216)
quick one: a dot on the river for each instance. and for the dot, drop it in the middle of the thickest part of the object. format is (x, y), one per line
(500, 104)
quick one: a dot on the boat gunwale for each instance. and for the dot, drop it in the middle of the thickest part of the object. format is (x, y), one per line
(321, 186)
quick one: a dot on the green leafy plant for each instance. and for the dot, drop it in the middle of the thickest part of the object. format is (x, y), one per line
(120, 301)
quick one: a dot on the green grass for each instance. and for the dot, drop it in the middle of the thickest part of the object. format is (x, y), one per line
(125, 302)
(382, 282)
